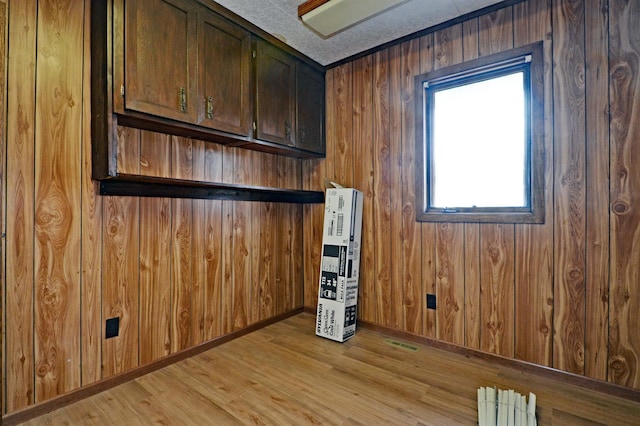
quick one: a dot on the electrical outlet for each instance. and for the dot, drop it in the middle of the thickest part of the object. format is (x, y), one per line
(431, 301)
(112, 328)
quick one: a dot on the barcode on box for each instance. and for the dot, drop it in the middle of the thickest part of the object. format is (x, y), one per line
(340, 225)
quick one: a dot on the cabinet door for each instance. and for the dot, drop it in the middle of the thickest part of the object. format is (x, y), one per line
(161, 58)
(275, 95)
(225, 67)
(310, 120)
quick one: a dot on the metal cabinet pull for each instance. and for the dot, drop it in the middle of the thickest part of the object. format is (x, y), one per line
(209, 107)
(302, 135)
(183, 100)
(287, 130)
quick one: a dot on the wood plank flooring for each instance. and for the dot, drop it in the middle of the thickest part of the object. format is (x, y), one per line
(285, 375)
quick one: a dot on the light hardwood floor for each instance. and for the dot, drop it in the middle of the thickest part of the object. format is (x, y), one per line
(284, 375)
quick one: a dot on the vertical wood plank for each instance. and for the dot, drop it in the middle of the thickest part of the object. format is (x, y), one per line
(343, 143)
(241, 243)
(534, 243)
(312, 179)
(410, 295)
(18, 306)
(58, 196)
(497, 290)
(228, 281)
(268, 245)
(472, 279)
(155, 251)
(497, 284)
(495, 31)
(427, 238)
(291, 180)
(3, 212)
(120, 282)
(363, 180)
(297, 257)
(403, 65)
(380, 215)
(569, 234)
(624, 78)
(213, 247)
(472, 315)
(152, 152)
(283, 240)
(297, 244)
(198, 249)
(450, 282)
(91, 240)
(155, 281)
(257, 179)
(181, 248)
(597, 192)
(449, 246)
(332, 85)
(129, 158)
(470, 39)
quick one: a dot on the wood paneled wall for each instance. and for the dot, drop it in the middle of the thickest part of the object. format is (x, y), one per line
(177, 272)
(564, 294)
(3, 104)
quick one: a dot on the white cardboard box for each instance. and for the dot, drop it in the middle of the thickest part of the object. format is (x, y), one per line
(340, 264)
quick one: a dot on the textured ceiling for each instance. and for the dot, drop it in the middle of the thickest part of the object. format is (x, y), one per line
(280, 18)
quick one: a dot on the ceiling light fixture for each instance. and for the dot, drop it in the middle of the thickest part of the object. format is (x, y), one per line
(328, 17)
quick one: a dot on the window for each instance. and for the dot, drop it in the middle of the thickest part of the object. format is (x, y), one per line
(480, 140)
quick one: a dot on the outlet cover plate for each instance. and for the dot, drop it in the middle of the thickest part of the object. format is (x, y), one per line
(112, 327)
(431, 301)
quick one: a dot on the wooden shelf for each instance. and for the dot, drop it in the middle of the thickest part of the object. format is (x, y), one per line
(147, 186)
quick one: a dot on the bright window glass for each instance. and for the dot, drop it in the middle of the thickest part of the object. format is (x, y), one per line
(479, 144)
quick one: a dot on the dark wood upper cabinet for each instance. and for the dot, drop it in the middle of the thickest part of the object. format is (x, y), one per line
(225, 75)
(310, 95)
(160, 59)
(275, 95)
(289, 98)
(192, 68)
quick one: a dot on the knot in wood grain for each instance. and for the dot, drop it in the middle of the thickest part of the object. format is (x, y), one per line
(580, 76)
(114, 226)
(42, 369)
(494, 253)
(544, 329)
(579, 353)
(619, 367)
(620, 207)
(209, 256)
(575, 274)
(623, 295)
(621, 72)
(51, 295)
(495, 327)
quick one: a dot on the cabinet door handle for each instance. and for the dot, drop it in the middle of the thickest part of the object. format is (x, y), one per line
(302, 135)
(183, 100)
(209, 107)
(287, 130)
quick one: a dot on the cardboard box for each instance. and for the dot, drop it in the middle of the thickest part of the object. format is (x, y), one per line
(340, 264)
